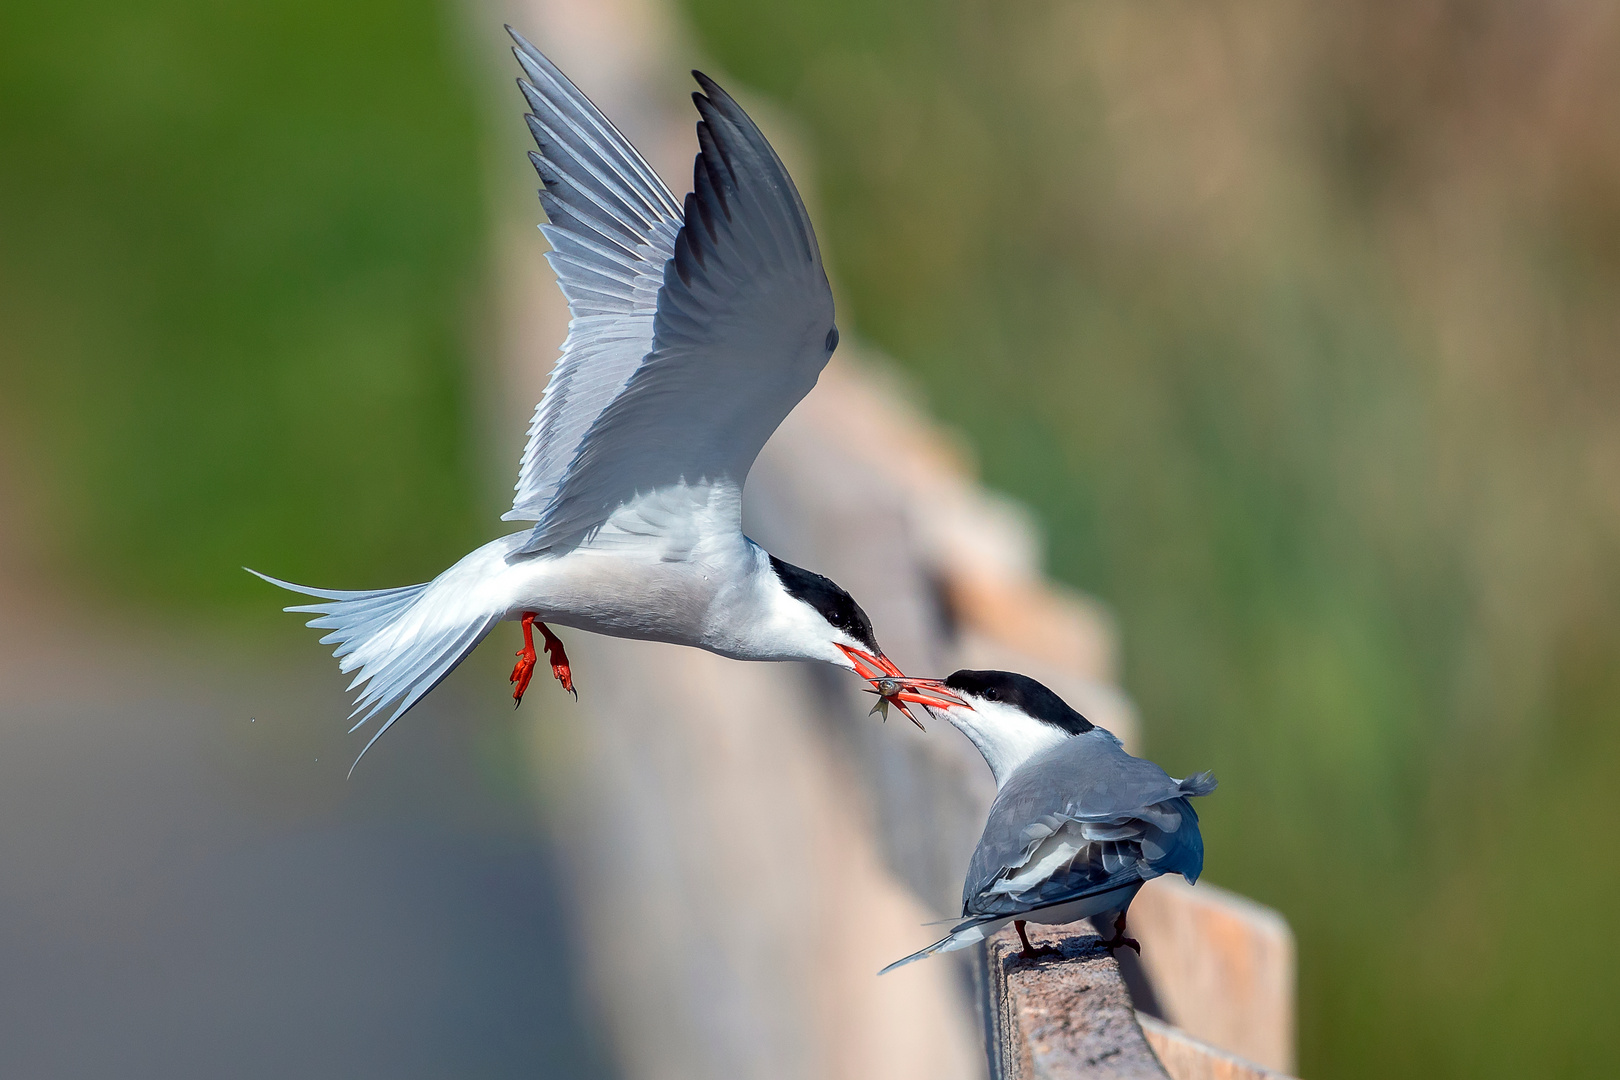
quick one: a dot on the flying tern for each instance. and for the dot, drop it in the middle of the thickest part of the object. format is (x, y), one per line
(1077, 824)
(694, 329)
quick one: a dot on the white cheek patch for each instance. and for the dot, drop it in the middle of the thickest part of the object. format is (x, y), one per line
(1006, 736)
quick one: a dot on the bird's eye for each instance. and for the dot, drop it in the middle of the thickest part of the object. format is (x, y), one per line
(993, 694)
(832, 339)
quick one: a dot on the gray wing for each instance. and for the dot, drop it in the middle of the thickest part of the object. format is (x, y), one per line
(1081, 819)
(744, 326)
(612, 226)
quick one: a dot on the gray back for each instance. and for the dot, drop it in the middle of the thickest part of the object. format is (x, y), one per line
(1124, 819)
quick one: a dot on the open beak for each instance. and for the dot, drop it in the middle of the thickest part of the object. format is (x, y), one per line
(929, 693)
(892, 687)
(871, 665)
(882, 673)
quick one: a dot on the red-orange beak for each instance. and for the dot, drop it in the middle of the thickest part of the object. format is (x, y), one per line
(892, 687)
(929, 693)
(881, 672)
(871, 665)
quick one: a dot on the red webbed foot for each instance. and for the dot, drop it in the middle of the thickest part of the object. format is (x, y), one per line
(559, 660)
(524, 669)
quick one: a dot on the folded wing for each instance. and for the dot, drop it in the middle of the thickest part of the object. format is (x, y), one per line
(1084, 819)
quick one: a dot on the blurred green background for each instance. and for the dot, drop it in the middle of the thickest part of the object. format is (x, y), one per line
(1298, 324)
(240, 277)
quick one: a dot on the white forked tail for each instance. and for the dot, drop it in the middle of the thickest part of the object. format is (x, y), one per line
(969, 933)
(403, 641)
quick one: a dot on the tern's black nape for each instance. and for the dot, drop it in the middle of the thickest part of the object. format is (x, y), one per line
(1021, 692)
(834, 604)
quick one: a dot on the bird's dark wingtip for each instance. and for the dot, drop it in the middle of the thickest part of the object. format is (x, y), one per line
(710, 87)
(524, 47)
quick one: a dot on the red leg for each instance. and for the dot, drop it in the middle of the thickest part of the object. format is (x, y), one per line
(559, 660)
(1119, 940)
(1030, 951)
(526, 659)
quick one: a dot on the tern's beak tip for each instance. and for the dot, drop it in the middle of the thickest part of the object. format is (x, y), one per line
(869, 665)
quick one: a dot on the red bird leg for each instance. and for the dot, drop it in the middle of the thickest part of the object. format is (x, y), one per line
(1031, 952)
(524, 668)
(1119, 940)
(559, 660)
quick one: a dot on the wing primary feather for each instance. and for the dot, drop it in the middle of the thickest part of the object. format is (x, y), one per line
(540, 69)
(735, 154)
(612, 225)
(688, 258)
(556, 145)
(750, 134)
(730, 287)
(575, 242)
(562, 181)
(555, 150)
(712, 166)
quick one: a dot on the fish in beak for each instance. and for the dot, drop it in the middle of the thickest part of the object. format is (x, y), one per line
(902, 692)
(929, 693)
(893, 687)
(885, 678)
(887, 689)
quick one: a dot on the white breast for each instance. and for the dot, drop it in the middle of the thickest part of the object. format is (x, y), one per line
(654, 570)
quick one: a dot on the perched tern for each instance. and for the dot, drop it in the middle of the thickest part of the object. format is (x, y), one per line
(694, 330)
(1077, 824)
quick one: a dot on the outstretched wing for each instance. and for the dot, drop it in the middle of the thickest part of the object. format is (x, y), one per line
(1085, 818)
(743, 327)
(612, 227)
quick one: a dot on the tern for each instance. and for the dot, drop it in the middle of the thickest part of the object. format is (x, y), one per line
(1077, 824)
(694, 330)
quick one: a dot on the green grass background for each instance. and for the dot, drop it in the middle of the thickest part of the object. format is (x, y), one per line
(240, 262)
(1297, 324)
